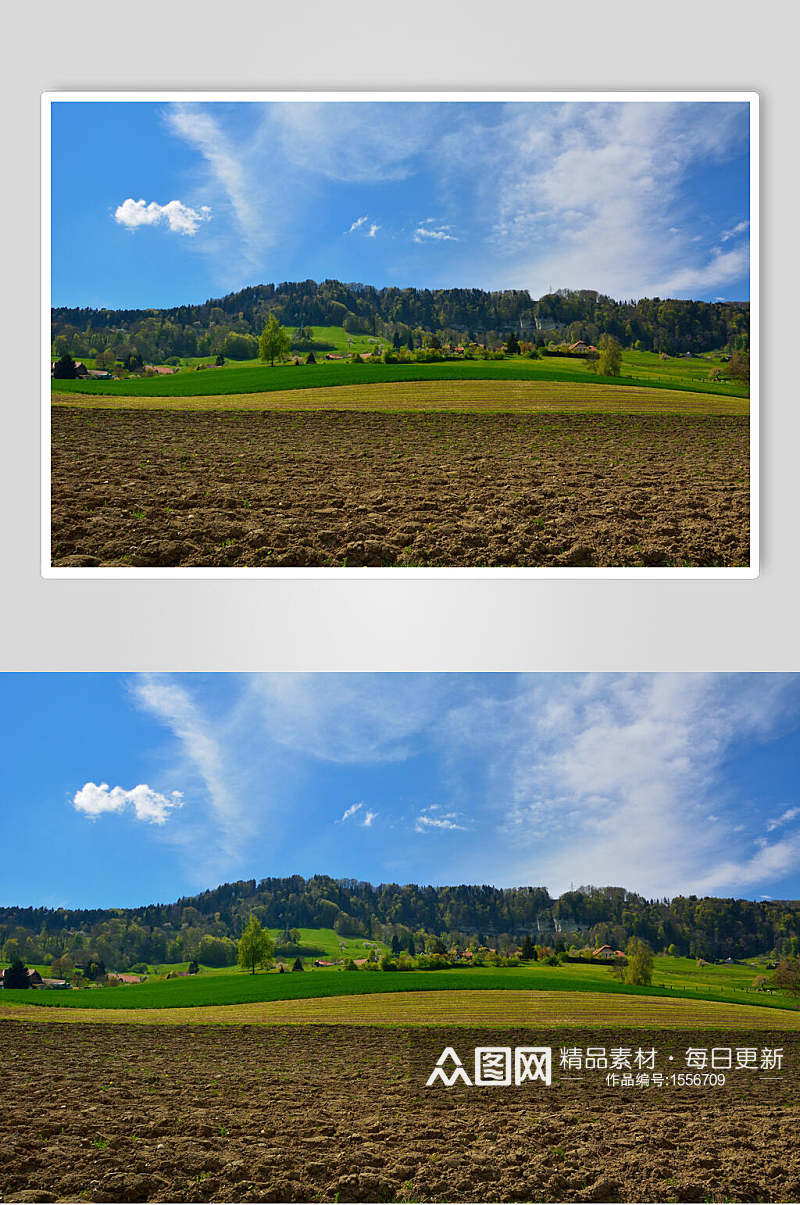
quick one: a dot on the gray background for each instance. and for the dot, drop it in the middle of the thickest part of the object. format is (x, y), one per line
(389, 624)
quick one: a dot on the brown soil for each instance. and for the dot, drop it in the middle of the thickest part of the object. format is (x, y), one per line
(324, 1113)
(184, 488)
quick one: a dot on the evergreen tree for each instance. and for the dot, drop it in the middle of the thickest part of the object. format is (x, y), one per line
(64, 368)
(16, 975)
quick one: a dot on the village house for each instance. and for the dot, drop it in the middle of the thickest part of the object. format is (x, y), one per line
(582, 349)
(608, 953)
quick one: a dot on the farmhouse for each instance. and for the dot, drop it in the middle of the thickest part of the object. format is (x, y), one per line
(34, 979)
(581, 349)
(608, 953)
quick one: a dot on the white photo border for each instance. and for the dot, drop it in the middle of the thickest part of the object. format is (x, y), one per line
(49, 571)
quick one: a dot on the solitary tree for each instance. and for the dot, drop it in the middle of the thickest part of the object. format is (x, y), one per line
(297, 965)
(787, 975)
(256, 947)
(739, 366)
(528, 948)
(639, 970)
(397, 342)
(274, 341)
(512, 344)
(610, 359)
(395, 944)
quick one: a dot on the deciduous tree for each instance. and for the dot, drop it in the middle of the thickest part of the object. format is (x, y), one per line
(274, 341)
(639, 970)
(256, 947)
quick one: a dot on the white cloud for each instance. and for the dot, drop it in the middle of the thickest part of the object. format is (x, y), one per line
(721, 268)
(148, 805)
(442, 821)
(355, 142)
(590, 196)
(180, 218)
(365, 820)
(609, 779)
(206, 757)
(739, 228)
(345, 718)
(786, 818)
(427, 231)
(359, 224)
(243, 178)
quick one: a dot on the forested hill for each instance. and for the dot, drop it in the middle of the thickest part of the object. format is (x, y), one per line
(652, 324)
(703, 927)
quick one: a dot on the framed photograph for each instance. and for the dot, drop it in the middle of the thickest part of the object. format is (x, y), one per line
(400, 938)
(400, 334)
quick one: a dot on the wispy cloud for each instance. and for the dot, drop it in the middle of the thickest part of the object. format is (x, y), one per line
(360, 225)
(556, 779)
(151, 806)
(180, 218)
(739, 228)
(237, 169)
(611, 778)
(171, 703)
(428, 231)
(356, 143)
(786, 818)
(432, 818)
(592, 193)
(365, 819)
(345, 718)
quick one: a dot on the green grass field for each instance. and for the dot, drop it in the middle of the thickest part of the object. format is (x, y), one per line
(250, 376)
(673, 978)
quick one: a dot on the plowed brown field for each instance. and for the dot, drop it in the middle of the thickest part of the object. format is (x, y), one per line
(332, 1113)
(165, 488)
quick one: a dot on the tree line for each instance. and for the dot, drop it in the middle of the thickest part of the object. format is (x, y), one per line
(208, 926)
(231, 325)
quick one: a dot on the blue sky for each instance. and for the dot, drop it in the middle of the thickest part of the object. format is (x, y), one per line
(122, 790)
(158, 204)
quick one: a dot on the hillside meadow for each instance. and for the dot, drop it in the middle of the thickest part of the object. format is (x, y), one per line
(641, 369)
(231, 986)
